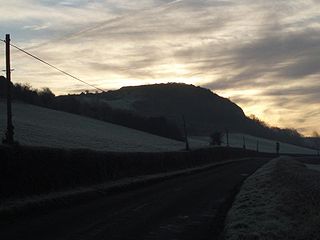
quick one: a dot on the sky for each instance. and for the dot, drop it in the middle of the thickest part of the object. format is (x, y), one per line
(263, 55)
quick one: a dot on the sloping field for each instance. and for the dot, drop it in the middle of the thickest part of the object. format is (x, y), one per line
(39, 126)
(45, 127)
(265, 145)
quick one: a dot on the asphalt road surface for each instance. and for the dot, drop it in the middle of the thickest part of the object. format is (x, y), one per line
(185, 207)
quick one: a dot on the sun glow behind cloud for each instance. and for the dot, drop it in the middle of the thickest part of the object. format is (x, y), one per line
(264, 55)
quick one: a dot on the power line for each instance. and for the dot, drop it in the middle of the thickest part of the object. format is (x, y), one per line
(52, 66)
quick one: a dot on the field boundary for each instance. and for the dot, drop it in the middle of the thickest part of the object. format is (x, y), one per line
(27, 171)
(47, 202)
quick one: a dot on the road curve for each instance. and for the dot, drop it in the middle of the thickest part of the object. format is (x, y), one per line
(181, 208)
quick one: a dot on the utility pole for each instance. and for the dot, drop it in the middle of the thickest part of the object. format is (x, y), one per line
(9, 134)
(244, 143)
(185, 133)
(227, 133)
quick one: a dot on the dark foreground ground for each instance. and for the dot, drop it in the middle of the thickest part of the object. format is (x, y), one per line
(186, 207)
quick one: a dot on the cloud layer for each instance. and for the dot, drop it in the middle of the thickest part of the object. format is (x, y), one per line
(264, 55)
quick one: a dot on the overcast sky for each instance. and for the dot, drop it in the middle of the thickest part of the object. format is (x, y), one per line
(263, 55)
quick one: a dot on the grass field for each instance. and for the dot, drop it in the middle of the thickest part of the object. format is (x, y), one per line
(265, 145)
(37, 126)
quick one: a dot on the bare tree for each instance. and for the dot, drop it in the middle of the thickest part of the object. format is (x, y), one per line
(216, 138)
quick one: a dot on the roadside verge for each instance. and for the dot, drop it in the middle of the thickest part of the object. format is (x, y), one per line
(281, 200)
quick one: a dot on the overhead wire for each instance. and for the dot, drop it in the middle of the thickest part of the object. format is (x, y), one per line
(54, 67)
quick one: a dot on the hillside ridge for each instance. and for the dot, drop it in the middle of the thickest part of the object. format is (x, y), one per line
(203, 110)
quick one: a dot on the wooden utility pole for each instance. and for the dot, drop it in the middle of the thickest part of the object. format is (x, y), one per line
(244, 143)
(227, 134)
(185, 133)
(9, 134)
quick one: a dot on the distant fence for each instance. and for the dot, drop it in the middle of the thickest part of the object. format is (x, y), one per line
(27, 171)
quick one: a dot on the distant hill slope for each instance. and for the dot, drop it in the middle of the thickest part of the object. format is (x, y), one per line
(204, 111)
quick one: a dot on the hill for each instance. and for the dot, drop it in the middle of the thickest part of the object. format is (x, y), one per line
(203, 110)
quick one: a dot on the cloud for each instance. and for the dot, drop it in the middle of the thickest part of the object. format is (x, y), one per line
(262, 54)
(36, 27)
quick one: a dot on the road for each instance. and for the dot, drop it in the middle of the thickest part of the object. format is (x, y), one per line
(185, 207)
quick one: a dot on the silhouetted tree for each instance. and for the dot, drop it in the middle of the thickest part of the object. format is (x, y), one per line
(46, 96)
(216, 138)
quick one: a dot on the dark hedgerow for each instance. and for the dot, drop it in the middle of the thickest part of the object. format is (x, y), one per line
(27, 171)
